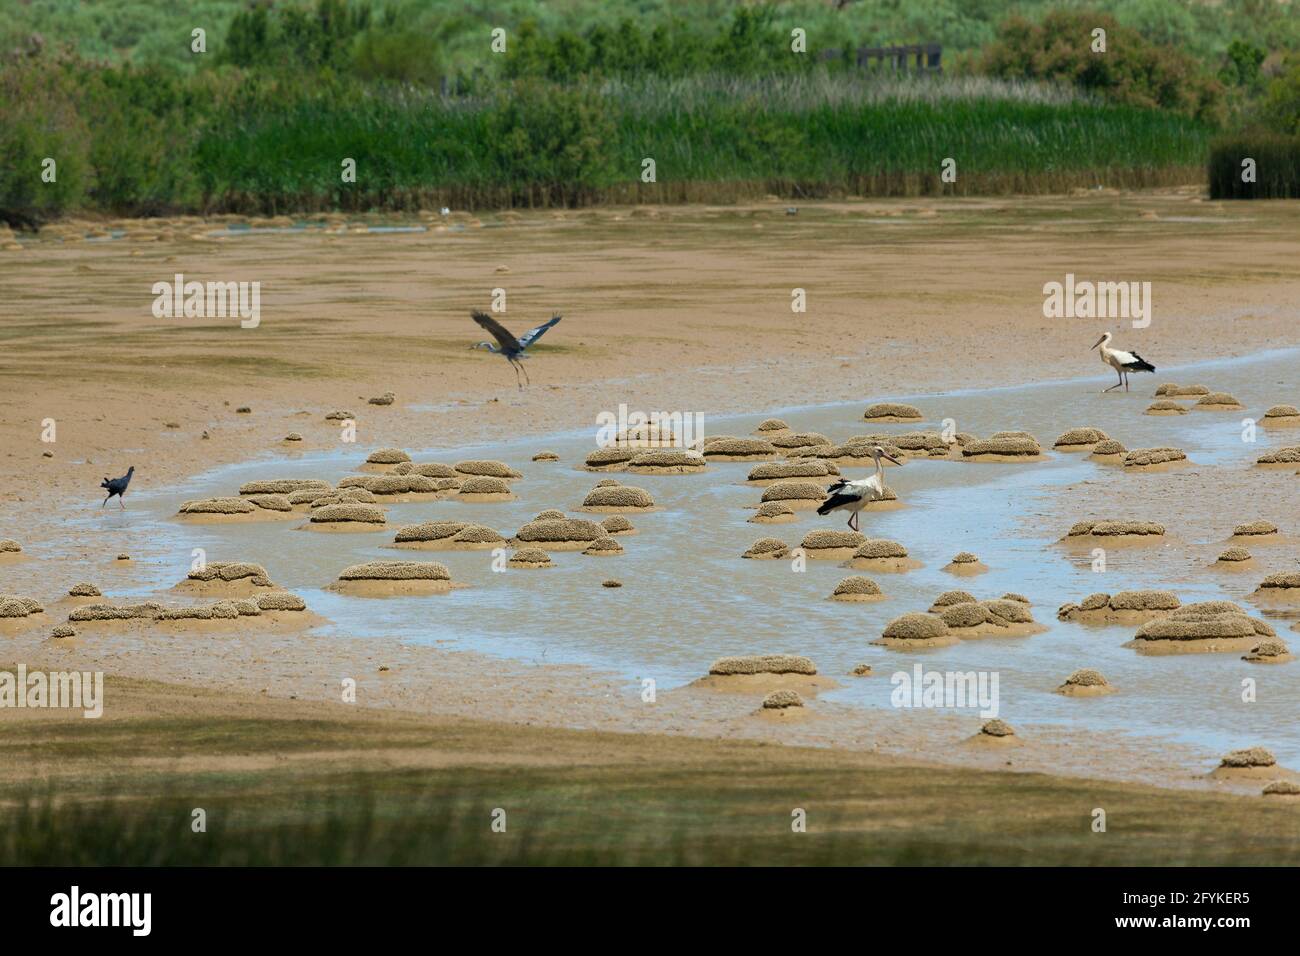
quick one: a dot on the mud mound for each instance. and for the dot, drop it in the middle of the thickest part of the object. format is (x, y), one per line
(963, 562)
(1107, 449)
(771, 425)
(1281, 415)
(739, 449)
(799, 495)
(1233, 556)
(892, 412)
(1115, 530)
(1018, 598)
(396, 571)
(1207, 626)
(1080, 439)
(604, 548)
(475, 537)
(998, 728)
(831, 545)
(546, 456)
(147, 610)
(429, 469)
(484, 488)
(1282, 788)
(610, 459)
(1217, 401)
(930, 444)
(773, 512)
(1086, 682)
(617, 524)
(530, 558)
(1281, 457)
(1003, 446)
(916, 630)
(1284, 584)
(762, 664)
(767, 548)
(428, 532)
(10, 546)
(1169, 389)
(1123, 607)
(781, 699)
(860, 670)
(283, 486)
(1165, 406)
(1154, 457)
(225, 573)
(561, 534)
(387, 456)
(1254, 529)
(778, 471)
(949, 598)
(1270, 651)
(799, 440)
(1249, 763)
(356, 515)
(13, 606)
(881, 554)
(63, 630)
(280, 601)
(667, 462)
(857, 588)
(392, 578)
(487, 468)
(618, 498)
(84, 589)
(611, 583)
(340, 415)
(345, 496)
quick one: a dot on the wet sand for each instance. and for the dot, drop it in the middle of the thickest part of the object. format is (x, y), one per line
(656, 315)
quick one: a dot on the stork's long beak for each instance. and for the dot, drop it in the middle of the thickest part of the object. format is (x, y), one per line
(892, 458)
(1099, 341)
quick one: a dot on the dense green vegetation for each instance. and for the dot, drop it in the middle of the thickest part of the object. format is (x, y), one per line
(582, 94)
(147, 31)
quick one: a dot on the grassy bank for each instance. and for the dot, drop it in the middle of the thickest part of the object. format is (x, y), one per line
(154, 142)
(288, 783)
(1255, 166)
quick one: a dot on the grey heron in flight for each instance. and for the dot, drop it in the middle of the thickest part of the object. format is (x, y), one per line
(514, 349)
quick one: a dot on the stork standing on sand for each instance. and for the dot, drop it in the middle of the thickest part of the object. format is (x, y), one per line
(117, 486)
(1122, 362)
(853, 496)
(514, 349)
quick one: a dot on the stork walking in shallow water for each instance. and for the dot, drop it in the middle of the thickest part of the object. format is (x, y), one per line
(1122, 362)
(514, 349)
(853, 496)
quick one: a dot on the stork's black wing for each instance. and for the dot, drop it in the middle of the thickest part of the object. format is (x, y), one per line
(532, 335)
(498, 331)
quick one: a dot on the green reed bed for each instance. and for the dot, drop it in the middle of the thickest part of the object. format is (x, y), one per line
(240, 143)
(1276, 173)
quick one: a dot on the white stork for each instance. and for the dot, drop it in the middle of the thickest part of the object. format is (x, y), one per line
(1122, 362)
(853, 496)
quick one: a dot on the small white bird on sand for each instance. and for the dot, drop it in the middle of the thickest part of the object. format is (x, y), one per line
(853, 496)
(1122, 362)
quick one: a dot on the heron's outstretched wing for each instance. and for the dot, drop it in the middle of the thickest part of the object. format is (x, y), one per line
(498, 331)
(532, 335)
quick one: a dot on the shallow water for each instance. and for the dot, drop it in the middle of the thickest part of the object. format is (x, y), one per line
(689, 598)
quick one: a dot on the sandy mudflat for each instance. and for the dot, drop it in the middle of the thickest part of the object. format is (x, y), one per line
(656, 315)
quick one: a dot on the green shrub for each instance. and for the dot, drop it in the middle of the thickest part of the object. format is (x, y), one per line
(1133, 70)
